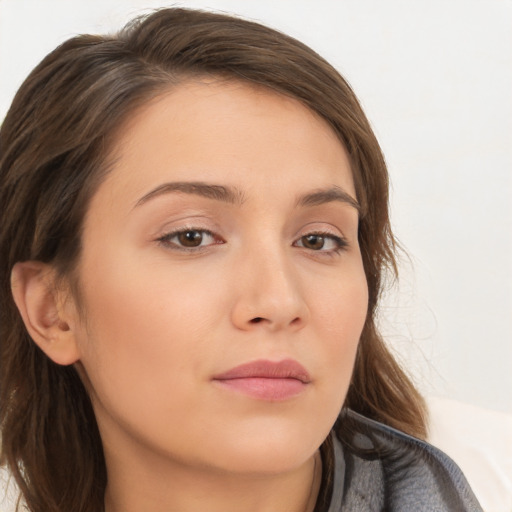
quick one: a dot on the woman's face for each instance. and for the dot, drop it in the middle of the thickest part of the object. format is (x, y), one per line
(222, 282)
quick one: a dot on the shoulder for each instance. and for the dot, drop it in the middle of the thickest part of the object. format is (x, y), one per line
(386, 469)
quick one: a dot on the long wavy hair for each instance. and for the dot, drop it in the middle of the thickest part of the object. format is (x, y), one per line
(54, 144)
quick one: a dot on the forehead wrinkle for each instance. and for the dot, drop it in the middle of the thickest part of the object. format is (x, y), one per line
(222, 193)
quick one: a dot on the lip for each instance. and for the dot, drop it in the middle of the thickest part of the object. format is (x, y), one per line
(266, 380)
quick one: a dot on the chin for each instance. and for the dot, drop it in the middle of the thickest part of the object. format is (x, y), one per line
(268, 451)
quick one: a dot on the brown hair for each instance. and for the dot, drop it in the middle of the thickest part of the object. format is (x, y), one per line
(53, 148)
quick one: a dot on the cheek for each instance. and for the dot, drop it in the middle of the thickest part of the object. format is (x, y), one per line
(339, 312)
(340, 304)
(147, 302)
(148, 331)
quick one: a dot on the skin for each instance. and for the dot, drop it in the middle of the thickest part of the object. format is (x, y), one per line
(161, 321)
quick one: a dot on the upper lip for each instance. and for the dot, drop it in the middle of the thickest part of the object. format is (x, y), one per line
(285, 369)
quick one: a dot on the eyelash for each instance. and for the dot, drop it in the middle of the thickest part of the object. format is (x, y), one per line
(340, 243)
(166, 240)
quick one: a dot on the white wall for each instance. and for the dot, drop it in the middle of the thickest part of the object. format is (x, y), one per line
(435, 78)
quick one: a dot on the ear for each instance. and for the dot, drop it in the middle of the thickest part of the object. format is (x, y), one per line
(44, 312)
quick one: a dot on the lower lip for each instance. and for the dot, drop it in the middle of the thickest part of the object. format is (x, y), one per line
(265, 388)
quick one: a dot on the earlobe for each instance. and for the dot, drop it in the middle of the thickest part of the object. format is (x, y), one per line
(40, 306)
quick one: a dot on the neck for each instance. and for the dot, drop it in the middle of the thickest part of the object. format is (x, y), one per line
(158, 489)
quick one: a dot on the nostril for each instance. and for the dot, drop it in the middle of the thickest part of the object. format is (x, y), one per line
(256, 320)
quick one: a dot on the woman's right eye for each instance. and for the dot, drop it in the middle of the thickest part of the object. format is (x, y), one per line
(186, 239)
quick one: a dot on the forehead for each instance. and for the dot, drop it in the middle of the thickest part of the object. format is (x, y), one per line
(227, 132)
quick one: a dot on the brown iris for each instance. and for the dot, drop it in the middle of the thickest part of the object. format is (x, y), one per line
(190, 238)
(314, 242)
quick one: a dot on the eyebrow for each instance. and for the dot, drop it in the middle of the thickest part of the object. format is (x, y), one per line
(328, 195)
(218, 192)
(234, 195)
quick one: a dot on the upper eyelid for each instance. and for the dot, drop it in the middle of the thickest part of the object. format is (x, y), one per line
(171, 232)
(331, 231)
(320, 231)
(192, 225)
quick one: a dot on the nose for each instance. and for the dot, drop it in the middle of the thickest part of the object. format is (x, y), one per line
(268, 293)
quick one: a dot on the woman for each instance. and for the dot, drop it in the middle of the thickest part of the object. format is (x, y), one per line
(194, 232)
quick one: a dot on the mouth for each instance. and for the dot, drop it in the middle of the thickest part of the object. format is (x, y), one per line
(266, 380)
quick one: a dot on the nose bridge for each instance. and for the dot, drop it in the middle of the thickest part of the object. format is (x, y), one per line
(269, 291)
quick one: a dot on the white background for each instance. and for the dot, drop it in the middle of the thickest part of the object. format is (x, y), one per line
(434, 77)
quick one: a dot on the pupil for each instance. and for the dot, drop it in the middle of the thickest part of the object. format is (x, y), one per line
(313, 241)
(190, 238)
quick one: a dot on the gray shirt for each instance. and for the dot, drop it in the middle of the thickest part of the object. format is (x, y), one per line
(381, 469)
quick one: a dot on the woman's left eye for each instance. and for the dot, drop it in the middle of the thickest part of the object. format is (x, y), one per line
(324, 242)
(189, 239)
